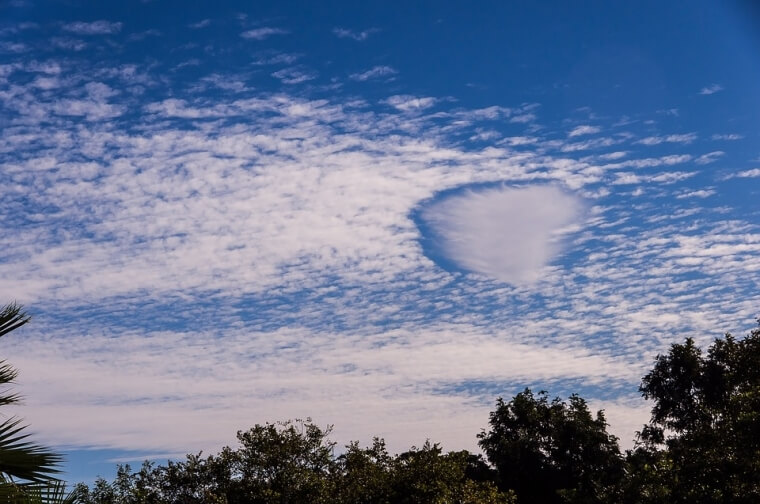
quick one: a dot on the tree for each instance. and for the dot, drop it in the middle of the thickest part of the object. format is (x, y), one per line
(364, 475)
(427, 475)
(21, 459)
(705, 423)
(552, 451)
(293, 462)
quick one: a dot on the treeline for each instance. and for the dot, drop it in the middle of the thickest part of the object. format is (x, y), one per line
(702, 445)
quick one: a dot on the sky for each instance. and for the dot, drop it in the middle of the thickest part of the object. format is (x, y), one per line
(377, 215)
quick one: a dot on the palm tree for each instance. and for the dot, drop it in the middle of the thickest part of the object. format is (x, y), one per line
(20, 459)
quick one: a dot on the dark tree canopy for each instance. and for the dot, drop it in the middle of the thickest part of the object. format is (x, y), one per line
(294, 462)
(552, 451)
(705, 427)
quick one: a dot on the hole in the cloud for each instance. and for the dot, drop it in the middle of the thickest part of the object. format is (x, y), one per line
(507, 233)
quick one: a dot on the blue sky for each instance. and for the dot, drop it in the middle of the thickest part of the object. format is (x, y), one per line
(379, 216)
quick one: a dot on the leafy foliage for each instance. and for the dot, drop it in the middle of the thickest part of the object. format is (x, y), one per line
(294, 462)
(552, 451)
(705, 424)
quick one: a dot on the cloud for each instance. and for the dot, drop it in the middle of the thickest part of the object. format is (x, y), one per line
(520, 140)
(199, 260)
(753, 173)
(711, 89)
(583, 130)
(710, 157)
(13, 47)
(163, 390)
(68, 43)
(505, 233)
(623, 178)
(133, 37)
(263, 33)
(700, 193)
(101, 27)
(275, 58)
(408, 103)
(523, 118)
(611, 156)
(594, 143)
(200, 24)
(358, 36)
(294, 75)
(730, 136)
(373, 73)
(685, 138)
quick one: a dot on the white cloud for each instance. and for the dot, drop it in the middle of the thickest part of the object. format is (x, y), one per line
(594, 143)
(101, 27)
(583, 130)
(373, 73)
(294, 75)
(729, 136)
(624, 178)
(68, 43)
(13, 47)
(285, 221)
(355, 35)
(408, 103)
(700, 193)
(523, 118)
(200, 24)
(520, 140)
(506, 233)
(611, 156)
(186, 392)
(710, 157)
(276, 59)
(263, 33)
(685, 138)
(711, 89)
(753, 173)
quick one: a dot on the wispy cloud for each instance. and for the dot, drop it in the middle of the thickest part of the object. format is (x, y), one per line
(523, 118)
(275, 58)
(583, 130)
(355, 35)
(263, 33)
(13, 47)
(711, 89)
(207, 254)
(753, 173)
(408, 103)
(101, 27)
(729, 136)
(292, 370)
(710, 157)
(68, 43)
(699, 193)
(200, 24)
(373, 73)
(685, 138)
(294, 75)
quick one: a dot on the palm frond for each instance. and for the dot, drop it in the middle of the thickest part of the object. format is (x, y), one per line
(47, 492)
(7, 374)
(11, 317)
(23, 459)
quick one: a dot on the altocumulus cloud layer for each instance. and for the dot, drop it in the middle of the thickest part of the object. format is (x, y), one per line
(206, 249)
